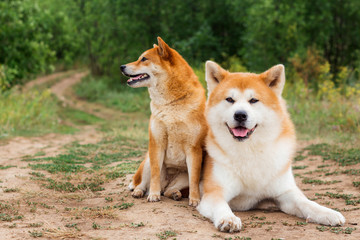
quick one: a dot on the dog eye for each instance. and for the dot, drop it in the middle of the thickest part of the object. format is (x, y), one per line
(144, 59)
(230, 100)
(253, 100)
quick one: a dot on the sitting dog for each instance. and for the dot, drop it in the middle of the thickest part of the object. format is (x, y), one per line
(177, 126)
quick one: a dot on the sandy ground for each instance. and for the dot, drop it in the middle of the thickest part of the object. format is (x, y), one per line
(88, 215)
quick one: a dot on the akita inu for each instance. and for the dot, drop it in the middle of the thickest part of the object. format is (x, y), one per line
(250, 145)
(177, 126)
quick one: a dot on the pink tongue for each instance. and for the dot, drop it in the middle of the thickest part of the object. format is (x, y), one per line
(240, 132)
(135, 78)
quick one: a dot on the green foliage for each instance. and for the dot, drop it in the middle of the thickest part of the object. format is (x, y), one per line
(34, 35)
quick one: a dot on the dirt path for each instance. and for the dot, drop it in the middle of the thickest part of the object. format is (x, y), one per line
(28, 210)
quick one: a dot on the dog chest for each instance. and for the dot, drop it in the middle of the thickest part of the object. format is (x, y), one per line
(175, 156)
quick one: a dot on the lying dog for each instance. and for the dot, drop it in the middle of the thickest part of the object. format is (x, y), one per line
(250, 145)
(177, 126)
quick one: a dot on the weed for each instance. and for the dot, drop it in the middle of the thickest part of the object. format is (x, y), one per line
(336, 230)
(301, 223)
(166, 234)
(37, 174)
(136, 225)
(299, 167)
(95, 225)
(109, 199)
(6, 167)
(36, 225)
(318, 182)
(35, 234)
(356, 184)
(8, 190)
(124, 206)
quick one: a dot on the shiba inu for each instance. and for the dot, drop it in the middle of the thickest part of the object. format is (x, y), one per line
(177, 126)
(250, 144)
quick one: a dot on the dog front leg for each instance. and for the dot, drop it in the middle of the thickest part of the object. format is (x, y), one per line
(295, 202)
(217, 209)
(193, 162)
(156, 155)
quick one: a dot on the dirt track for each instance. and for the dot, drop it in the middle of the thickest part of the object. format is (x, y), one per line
(60, 212)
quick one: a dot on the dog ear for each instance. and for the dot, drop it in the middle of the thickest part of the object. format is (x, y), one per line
(275, 78)
(163, 50)
(214, 74)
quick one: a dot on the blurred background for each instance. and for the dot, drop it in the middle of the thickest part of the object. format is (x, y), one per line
(317, 41)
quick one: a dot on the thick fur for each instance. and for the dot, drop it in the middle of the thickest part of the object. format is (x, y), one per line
(177, 126)
(239, 173)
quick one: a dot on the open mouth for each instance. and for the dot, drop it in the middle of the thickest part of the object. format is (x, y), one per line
(137, 78)
(241, 133)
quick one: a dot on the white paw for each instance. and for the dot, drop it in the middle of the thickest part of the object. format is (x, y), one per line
(229, 224)
(137, 193)
(327, 217)
(194, 202)
(153, 197)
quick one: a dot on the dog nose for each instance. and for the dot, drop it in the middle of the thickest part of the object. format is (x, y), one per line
(240, 116)
(122, 67)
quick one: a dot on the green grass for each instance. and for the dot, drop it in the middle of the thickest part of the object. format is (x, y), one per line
(78, 117)
(344, 157)
(166, 234)
(318, 182)
(114, 94)
(6, 167)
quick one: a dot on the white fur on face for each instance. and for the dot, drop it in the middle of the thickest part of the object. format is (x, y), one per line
(267, 121)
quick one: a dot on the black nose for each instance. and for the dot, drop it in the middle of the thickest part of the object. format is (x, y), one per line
(240, 116)
(122, 67)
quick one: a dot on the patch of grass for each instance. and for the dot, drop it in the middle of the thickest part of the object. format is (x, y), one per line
(336, 230)
(29, 113)
(166, 234)
(344, 157)
(95, 226)
(107, 151)
(351, 172)
(35, 234)
(299, 167)
(93, 185)
(79, 117)
(36, 225)
(37, 174)
(356, 184)
(8, 190)
(318, 182)
(118, 96)
(6, 167)
(336, 195)
(136, 225)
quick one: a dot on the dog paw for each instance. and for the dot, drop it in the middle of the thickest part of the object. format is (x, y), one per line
(153, 197)
(194, 202)
(329, 217)
(137, 193)
(229, 224)
(174, 194)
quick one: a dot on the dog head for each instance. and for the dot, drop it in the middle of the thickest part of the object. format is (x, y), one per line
(245, 106)
(151, 66)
